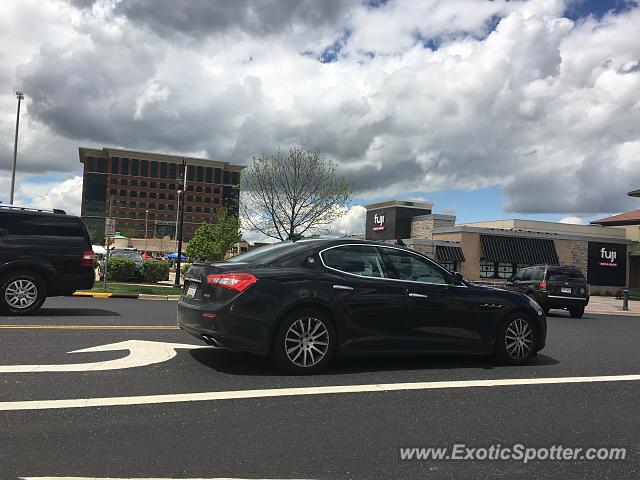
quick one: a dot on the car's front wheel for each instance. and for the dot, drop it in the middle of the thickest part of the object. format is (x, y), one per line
(22, 293)
(304, 342)
(516, 340)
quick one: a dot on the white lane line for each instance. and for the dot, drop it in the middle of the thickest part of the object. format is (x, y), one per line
(288, 392)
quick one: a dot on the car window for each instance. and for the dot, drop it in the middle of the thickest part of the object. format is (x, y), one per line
(43, 229)
(412, 267)
(538, 273)
(519, 276)
(565, 273)
(527, 274)
(126, 254)
(363, 260)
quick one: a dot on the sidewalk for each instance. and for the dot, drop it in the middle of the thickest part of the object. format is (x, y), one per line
(611, 305)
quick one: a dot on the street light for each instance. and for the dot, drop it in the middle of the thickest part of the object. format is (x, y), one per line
(146, 226)
(19, 96)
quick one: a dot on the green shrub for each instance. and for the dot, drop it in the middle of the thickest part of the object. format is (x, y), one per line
(183, 268)
(153, 271)
(120, 268)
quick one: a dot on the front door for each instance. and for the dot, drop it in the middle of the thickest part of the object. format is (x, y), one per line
(440, 316)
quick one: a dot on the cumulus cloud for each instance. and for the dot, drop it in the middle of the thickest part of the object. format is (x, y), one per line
(408, 97)
(573, 220)
(66, 195)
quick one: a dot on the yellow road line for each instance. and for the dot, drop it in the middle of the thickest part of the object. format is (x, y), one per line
(91, 327)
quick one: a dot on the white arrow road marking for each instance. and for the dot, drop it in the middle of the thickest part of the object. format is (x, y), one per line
(288, 392)
(141, 353)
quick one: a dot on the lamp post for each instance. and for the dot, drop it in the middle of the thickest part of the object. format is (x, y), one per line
(19, 96)
(146, 229)
(181, 221)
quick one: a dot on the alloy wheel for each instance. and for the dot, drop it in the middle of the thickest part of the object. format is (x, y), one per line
(21, 293)
(306, 342)
(518, 339)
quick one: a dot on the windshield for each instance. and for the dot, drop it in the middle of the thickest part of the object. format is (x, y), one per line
(126, 254)
(565, 273)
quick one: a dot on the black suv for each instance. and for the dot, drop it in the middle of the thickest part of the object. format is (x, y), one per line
(553, 286)
(42, 254)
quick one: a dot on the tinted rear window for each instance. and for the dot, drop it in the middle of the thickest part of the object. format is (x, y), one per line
(564, 273)
(270, 253)
(30, 229)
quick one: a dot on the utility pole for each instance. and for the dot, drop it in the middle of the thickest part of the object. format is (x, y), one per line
(181, 221)
(146, 226)
(106, 261)
(19, 96)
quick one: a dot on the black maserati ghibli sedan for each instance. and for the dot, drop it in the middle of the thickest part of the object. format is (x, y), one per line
(304, 302)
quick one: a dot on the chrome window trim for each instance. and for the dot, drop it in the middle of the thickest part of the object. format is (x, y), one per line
(385, 278)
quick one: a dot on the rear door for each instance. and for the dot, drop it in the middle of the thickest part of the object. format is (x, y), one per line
(373, 306)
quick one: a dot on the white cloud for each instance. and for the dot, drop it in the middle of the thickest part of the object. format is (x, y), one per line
(573, 220)
(66, 195)
(351, 223)
(540, 105)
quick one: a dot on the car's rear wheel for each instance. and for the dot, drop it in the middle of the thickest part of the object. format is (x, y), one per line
(304, 342)
(576, 312)
(516, 340)
(22, 293)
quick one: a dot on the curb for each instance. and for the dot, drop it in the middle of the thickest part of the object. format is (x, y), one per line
(136, 296)
(630, 313)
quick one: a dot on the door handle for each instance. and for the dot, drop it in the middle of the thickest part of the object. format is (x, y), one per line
(418, 295)
(342, 287)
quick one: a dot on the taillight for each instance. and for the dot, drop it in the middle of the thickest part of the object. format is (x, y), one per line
(233, 281)
(543, 284)
(87, 258)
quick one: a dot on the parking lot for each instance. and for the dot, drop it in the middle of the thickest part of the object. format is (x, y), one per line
(129, 412)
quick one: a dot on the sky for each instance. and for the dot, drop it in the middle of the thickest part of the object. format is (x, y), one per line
(490, 109)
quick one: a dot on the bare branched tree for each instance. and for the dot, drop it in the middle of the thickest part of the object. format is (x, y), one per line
(291, 193)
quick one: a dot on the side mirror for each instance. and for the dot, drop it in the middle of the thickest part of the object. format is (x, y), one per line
(457, 278)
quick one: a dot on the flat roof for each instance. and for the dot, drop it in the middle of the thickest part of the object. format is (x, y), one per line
(551, 227)
(153, 156)
(400, 203)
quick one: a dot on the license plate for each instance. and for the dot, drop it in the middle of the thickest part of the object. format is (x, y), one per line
(565, 290)
(191, 290)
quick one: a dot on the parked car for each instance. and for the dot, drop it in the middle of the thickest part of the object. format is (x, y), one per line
(128, 254)
(304, 302)
(42, 254)
(553, 286)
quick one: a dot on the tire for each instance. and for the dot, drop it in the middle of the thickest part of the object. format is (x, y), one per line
(546, 310)
(576, 312)
(516, 340)
(22, 293)
(291, 349)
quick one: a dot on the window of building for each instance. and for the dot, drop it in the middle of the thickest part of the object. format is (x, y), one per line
(207, 200)
(134, 166)
(132, 205)
(172, 186)
(216, 201)
(113, 191)
(216, 191)
(207, 190)
(152, 194)
(142, 204)
(153, 185)
(451, 266)
(123, 181)
(133, 183)
(200, 174)
(172, 196)
(144, 168)
(198, 210)
(161, 206)
(123, 203)
(90, 163)
(171, 207)
(163, 170)
(505, 270)
(217, 173)
(189, 188)
(123, 193)
(152, 206)
(163, 186)
(189, 198)
(209, 174)
(190, 172)
(124, 166)
(173, 171)
(198, 199)
(235, 178)
(133, 193)
(154, 169)
(100, 167)
(227, 178)
(161, 196)
(143, 184)
(487, 269)
(189, 209)
(114, 181)
(143, 194)
(198, 189)
(207, 210)
(114, 165)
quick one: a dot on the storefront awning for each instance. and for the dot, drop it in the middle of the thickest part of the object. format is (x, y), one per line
(500, 248)
(449, 253)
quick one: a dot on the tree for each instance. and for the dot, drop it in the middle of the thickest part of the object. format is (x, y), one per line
(292, 193)
(212, 241)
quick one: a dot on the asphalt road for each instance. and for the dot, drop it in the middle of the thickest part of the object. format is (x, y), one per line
(342, 435)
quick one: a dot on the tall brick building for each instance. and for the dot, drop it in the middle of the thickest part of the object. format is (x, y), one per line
(137, 182)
